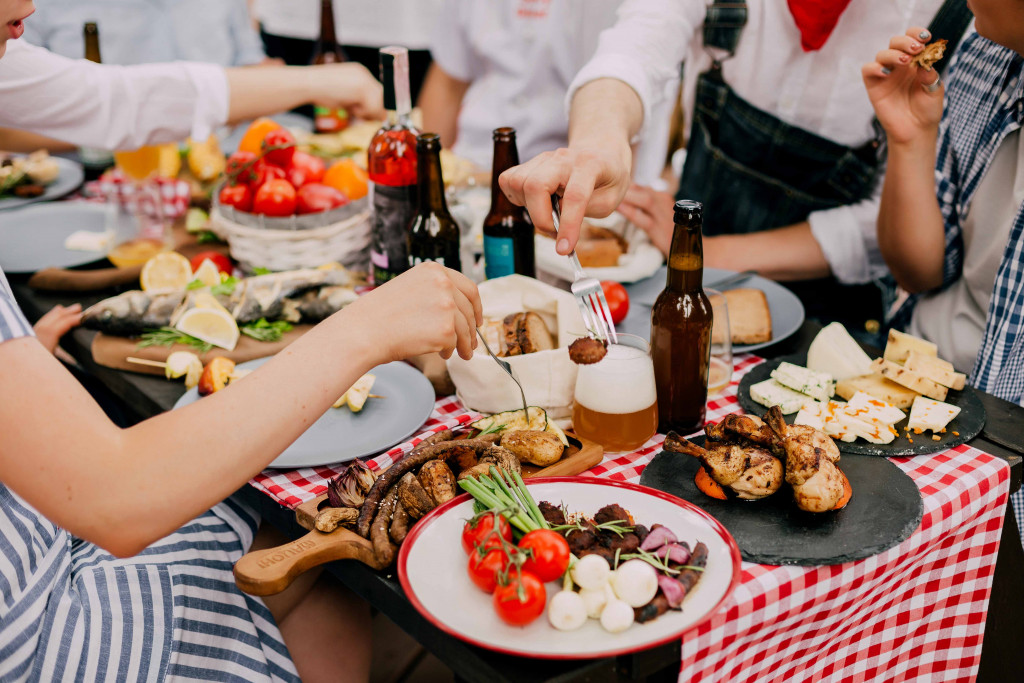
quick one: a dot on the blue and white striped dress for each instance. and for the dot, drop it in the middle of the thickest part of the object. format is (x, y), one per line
(70, 611)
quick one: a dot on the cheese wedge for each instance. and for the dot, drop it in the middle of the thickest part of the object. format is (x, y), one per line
(770, 393)
(899, 346)
(835, 352)
(936, 369)
(878, 387)
(930, 415)
(818, 385)
(910, 379)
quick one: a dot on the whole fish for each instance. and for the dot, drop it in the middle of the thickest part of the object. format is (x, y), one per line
(296, 295)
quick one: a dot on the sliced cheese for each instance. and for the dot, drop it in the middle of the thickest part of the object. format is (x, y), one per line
(833, 425)
(835, 352)
(878, 387)
(910, 379)
(873, 431)
(875, 409)
(935, 369)
(810, 415)
(818, 385)
(930, 415)
(899, 346)
(770, 393)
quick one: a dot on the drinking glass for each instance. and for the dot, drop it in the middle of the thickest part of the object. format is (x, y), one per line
(720, 369)
(616, 399)
(137, 225)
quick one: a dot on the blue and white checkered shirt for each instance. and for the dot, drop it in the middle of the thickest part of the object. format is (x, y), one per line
(984, 103)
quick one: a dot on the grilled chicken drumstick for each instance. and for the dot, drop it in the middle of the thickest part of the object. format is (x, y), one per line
(810, 464)
(749, 471)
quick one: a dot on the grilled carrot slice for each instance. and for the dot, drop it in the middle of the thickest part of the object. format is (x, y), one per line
(709, 486)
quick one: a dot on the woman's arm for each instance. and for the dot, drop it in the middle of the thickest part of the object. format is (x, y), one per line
(911, 232)
(440, 102)
(123, 489)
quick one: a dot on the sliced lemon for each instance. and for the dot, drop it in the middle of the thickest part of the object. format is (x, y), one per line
(207, 273)
(211, 325)
(204, 299)
(166, 270)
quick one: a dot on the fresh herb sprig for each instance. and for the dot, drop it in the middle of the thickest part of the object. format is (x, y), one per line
(659, 563)
(616, 526)
(264, 331)
(226, 287)
(168, 336)
(208, 237)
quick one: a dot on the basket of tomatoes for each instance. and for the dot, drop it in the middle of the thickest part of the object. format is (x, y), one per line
(282, 208)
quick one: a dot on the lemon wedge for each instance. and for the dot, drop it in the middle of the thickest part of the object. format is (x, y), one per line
(166, 270)
(207, 273)
(211, 325)
(205, 299)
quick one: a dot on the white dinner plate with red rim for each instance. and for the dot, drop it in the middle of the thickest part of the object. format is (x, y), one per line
(432, 569)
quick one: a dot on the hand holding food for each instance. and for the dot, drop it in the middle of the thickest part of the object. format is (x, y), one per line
(904, 90)
(349, 86)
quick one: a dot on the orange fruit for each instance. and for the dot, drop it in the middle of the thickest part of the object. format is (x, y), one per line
(255, 133)
(347, 177)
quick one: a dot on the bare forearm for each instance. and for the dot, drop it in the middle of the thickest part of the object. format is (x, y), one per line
(789, 253)
(606, 110)
(291, 87)
(911, 235)
(12, 140)
(440, 102)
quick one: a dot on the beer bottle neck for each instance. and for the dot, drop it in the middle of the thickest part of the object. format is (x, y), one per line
(328, 40)
(505, 157)
(394, 74)
(430, 181)
(686, 259)
(92, 43)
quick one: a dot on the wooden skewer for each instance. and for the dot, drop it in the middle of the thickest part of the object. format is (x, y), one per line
(144, 361)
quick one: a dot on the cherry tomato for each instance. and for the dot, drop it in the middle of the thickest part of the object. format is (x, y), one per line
(548, 554)
(478, 532)
(314, 197)
(262, 172)
(238, 196)
(275, 198)
(485, 567)
(305, 168)
(222, 262)
(521, 600)
(278, 147)
(239, 167)
(618, 300)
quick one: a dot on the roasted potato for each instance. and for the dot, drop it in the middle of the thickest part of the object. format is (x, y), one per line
(494, 456)
(413, 497)
(534, 447)
(438, 480)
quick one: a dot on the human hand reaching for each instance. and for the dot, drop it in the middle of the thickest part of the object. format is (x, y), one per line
(55, 323)
(651, 211)
(351, 86)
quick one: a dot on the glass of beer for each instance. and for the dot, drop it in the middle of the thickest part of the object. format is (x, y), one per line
(616, 398)
(720, 368)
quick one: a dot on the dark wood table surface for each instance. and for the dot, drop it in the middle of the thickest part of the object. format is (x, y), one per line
(141, 396)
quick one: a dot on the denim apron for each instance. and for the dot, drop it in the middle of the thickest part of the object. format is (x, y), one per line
(754, 172)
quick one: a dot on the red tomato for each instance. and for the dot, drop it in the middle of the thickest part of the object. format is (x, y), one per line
(239, 167)
(305, 168)
(521, 600)
(278, 147)
(481, 532)
(222, 262)
(618, 300)
(262, 172)
(548, 555)
(314, 198)
(485, 567)
(238, 196)
(275, 198)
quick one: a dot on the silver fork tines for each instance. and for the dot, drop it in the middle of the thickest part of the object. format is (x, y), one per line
(587, 290)
(507, 367)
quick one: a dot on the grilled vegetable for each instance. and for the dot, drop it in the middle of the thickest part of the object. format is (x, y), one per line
(438, 481)
(350, 487)
(216, 375)
(413, 497)
(329, 519)
(534, 447)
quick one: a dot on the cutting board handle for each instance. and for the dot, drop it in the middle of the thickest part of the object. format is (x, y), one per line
(270, 571)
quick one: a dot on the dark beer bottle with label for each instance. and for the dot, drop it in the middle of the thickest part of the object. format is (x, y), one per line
(391, 159)
(327, 51)
(508, 230)
(681, 329)
(95, 160)
(433, 234)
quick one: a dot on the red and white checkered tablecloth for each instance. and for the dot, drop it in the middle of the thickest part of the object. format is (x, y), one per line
(913, 613)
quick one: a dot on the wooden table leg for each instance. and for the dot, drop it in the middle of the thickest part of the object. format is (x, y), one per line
(1004, 627)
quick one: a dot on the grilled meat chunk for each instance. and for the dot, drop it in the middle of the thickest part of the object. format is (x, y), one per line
(552, 514)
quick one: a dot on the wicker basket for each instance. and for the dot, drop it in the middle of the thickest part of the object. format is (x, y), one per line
(346, 241)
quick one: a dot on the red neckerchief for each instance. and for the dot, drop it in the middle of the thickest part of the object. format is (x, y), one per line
(816, 19)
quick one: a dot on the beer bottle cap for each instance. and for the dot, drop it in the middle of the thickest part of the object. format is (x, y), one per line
(688, 210)
(428, 141)
(504, 133)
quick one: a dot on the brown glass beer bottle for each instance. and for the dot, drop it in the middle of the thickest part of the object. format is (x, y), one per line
(508, 230)
(328, 51)
(433, 233)
(681, 329)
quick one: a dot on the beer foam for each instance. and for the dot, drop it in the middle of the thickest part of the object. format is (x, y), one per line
(622, 382)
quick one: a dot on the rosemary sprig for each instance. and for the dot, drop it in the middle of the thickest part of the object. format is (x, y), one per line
(264, 331)
(659, 563)
(616, 526)
(168, 336)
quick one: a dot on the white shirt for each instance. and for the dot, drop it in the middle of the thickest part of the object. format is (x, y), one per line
(819, 91)
(107, 106)
(368, 23)
(149, 31)
(519, 57)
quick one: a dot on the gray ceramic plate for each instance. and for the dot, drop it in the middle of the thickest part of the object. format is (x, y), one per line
(341, 435)
(70, 178)
(33, 237)
(786, 309)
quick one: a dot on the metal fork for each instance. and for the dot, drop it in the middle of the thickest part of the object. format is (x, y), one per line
(587, 290)
(507, 368)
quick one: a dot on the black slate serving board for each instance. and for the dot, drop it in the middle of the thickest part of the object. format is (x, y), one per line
(968, 424)
(884, 510)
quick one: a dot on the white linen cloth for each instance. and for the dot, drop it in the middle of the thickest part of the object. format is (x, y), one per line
(357, 22)
(519, 57)
(111, 107)
(819, 91)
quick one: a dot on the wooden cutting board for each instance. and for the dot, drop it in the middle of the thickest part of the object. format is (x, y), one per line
(270, 571)
(113, 351)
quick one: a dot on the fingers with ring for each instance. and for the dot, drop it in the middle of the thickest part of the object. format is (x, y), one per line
(932, 87)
